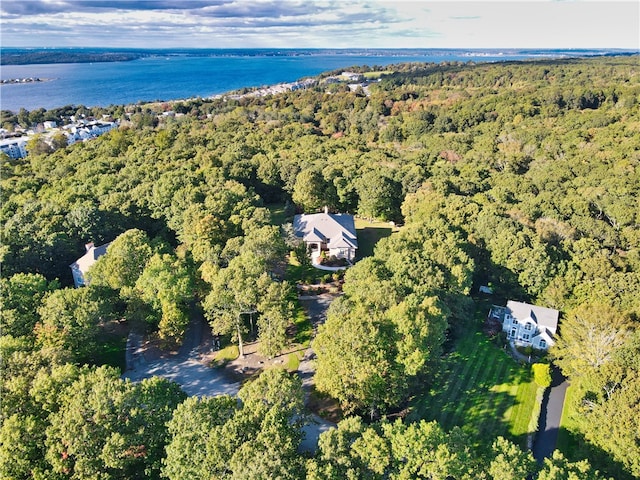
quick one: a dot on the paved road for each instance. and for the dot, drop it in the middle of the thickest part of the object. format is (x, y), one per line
(550, 415)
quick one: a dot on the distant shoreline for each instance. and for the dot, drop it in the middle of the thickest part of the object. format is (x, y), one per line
(38, 56)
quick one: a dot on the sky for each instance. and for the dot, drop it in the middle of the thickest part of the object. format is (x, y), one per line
(321, 24)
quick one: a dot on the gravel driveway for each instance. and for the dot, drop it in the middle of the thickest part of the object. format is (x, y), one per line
(197, 379)
(185, 369)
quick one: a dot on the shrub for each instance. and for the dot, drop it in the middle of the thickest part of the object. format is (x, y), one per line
(293, 362)
(542, 374)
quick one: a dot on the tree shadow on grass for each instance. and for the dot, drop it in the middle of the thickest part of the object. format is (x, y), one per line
(576, 447)
(475, 391)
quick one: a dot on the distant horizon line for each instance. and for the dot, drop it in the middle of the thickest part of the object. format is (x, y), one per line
(330, 48)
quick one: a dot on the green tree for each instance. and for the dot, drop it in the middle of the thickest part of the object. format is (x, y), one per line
(167, 284)
(107, 427)
(20, 297)
(123, 263)
(559, 468)
(379, 196)
(510, 461)
(588, 338)
(38, 146)
(356, 359)
(311, 192)
(276, 311)
(21, 447)
(235, 294)
(189, 431)
(259, 439)
(395, 450)
(69, 321)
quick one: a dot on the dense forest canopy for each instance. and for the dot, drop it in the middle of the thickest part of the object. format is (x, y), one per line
(521, 175)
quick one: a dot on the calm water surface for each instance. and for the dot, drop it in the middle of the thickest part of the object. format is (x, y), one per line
(176, 77)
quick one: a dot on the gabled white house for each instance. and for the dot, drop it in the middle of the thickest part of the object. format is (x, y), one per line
(80, 267)
(528, 325)
(333, 233)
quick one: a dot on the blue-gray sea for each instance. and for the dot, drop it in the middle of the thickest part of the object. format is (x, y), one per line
(170, 76)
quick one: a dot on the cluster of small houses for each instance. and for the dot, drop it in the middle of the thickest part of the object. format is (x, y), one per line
(354, 81)
(14, 145)
(335, 234)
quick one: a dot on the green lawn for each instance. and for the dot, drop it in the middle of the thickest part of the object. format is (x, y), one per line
(481, 389)
(278, 214)
(374, 75)
(369, 233)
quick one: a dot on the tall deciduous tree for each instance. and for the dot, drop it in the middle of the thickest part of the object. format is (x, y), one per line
(123, 263)
(510, 461)
(109, 427)
(167, 284)
(69, 321)
(589, 336)
(219, 438)
(190, 429)
(275, 313)
(379, 196)
(558, 467)
(356, 355)
(235, 293)
(20, 298)
(311, 191)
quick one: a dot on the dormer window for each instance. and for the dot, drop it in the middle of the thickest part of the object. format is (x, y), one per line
(528, 326)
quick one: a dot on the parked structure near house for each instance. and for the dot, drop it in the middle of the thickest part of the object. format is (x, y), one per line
(527, 325)
(332, 233)
(80, 267)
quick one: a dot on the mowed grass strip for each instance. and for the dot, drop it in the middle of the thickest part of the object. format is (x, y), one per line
(523, 406)
(457, 368)
(490, 425)
(482, 389)
(468, 395)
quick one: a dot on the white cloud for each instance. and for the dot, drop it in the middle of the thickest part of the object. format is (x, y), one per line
(336, 23)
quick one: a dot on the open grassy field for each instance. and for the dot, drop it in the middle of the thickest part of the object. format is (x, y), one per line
(482, 389)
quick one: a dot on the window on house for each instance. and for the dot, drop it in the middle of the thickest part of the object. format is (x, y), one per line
(525, 336)
(513, 333)
(543, 344)
(528, 326)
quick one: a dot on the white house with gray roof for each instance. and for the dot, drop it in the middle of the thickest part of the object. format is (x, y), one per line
(528, 325)
(80, 267)
(333, 233)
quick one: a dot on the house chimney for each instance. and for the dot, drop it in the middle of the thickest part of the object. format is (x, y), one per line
(326, 209)
(89, 246)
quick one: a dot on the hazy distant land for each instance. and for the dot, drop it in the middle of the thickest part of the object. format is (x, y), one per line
(31, 56)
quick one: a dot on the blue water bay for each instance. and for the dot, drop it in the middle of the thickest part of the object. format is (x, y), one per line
(170, 76)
